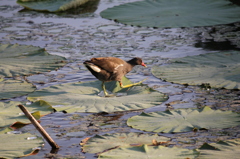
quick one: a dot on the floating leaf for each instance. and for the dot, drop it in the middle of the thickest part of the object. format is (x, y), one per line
(183, 120)
(17, 145)
(17, 60)
(110, 141)
(218, 69)
(51, 5)
(83, 97)
(221, 149)
(14, 88)
(174, 13)
(39, 78)
(11, 114)
(151, 152)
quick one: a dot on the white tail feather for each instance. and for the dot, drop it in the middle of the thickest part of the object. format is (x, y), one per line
(95, 68)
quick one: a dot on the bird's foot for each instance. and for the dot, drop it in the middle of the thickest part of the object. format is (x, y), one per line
(134, 84)
(106, 94)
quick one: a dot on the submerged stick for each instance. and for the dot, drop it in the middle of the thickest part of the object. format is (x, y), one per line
(39, 127)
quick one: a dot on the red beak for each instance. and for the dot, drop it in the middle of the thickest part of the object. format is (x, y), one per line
(143, 64)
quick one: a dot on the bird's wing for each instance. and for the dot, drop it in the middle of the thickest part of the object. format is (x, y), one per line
(108, 63)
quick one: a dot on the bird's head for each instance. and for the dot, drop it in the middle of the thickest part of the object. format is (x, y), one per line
(137, 61)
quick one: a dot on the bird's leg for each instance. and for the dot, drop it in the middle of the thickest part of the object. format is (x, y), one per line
(130, 85)
(104, 89)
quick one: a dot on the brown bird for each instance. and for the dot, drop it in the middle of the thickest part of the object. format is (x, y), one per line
(112, 69)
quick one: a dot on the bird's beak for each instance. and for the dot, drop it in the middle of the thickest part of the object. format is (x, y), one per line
(143, 64)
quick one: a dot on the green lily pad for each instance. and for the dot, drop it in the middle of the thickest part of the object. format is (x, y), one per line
(221, 149)
(51, 5)
(183, 120)
(174, 13)
(18, 145)
(11, 114)
(110, 141)
(83, 97)
(151, 152)
(220, 70)
(18, 60)
(14, 88)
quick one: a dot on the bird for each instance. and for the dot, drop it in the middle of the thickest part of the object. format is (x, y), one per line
(108, 69)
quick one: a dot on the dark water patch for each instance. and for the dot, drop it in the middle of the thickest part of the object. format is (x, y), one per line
(237, 2)
(216, 46)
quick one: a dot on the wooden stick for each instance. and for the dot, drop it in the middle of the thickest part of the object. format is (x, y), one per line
(38, 127)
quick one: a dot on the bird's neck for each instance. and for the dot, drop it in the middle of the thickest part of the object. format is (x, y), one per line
(130, 66)
(130, 62)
